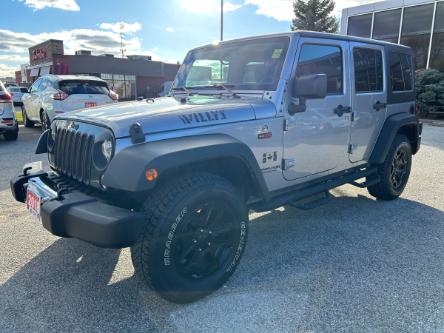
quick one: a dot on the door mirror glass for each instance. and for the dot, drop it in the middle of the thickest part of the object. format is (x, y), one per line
(310, 86)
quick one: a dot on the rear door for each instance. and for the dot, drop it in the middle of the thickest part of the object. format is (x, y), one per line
(316, 140)
(369, 102)
(84, 94)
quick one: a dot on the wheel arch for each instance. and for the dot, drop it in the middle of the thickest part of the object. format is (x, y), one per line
(220, 154)
(402, 123)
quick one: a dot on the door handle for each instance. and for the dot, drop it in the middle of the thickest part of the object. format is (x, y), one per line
(340, 110)
(378, 106)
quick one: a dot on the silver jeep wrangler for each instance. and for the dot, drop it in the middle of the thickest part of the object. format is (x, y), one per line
(250, 124)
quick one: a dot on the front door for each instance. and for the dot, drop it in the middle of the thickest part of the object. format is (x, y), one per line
(316, 140)
(369, 98)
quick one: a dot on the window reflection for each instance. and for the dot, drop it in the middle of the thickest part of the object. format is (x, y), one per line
(437, 53)
(322, 59)
(386, 25)
(368, 70)
(360, 25)
(416, 31)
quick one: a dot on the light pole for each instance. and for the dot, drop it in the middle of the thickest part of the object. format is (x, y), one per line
(221, 20)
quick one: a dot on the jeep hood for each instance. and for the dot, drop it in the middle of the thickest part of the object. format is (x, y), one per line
(171, 113)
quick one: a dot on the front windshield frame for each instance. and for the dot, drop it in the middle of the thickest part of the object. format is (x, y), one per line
(278, 45)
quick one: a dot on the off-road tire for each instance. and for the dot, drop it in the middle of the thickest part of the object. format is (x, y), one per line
(168, 211)
(387, 188)
(26, 122)
(11, 136)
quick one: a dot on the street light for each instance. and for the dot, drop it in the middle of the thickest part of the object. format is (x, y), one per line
(221, 20)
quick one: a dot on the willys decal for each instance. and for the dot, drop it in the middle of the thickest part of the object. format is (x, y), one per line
(201, 117)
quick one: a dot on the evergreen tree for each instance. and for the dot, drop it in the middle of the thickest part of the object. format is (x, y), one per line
(314, 15)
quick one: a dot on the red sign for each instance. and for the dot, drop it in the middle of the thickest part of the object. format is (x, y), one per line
(38, 54)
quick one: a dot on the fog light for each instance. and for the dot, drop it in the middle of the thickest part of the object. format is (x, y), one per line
(151, 174)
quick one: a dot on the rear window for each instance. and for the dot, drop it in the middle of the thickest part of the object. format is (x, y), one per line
(401, 76)
(77, 87)
(24, 90)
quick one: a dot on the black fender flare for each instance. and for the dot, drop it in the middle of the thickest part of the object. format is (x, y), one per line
(127, 169)
(391, 128)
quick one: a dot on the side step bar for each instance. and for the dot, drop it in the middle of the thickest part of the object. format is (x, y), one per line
(304, 192)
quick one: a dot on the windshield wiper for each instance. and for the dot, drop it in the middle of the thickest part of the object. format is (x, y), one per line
(181, 89)
(216, 86)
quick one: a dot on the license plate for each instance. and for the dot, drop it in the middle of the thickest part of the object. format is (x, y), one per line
(90, 104)
(33, 202)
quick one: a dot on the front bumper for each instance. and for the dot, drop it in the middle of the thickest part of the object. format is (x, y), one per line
(78, 215)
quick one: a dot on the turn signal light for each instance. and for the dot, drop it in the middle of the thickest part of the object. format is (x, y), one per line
(151, 174)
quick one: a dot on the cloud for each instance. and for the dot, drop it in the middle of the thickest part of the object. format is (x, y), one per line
(122, 27)
(282, 10)
(7, 71)
(170, 29)
(70, 5)
(14, 45)
(98, 41)
(207, 7)
(13, 58)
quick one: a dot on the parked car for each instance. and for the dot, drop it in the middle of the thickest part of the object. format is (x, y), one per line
(251, 124)
(17, 94)
(165, 88)
(8, 123)
(52, 95)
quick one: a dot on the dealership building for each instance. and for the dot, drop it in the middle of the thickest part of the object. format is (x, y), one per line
(416, 23)
(130, 77)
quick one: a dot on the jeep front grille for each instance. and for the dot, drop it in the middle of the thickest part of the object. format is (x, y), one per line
(72, 154)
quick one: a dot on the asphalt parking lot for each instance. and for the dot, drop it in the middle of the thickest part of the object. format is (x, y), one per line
(354, 265)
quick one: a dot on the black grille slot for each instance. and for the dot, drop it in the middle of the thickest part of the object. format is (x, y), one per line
(73, 154)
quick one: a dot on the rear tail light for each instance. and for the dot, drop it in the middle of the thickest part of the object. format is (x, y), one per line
(114, 96)
(60, 96)
(5, 98)
(417, 109)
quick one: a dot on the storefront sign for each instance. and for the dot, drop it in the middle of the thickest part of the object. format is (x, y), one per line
(38, 54)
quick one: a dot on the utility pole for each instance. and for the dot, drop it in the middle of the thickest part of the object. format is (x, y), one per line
(121, 40)
(221, 20)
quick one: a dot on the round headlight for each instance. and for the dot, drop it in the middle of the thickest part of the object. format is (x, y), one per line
(107, 149)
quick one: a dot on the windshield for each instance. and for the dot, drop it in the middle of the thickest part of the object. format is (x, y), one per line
(245, 65)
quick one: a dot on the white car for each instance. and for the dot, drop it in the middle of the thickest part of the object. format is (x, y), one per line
(51, 95)
(17, 94)
(8, 124)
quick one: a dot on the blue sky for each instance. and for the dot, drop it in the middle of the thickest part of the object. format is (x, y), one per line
(165, 29)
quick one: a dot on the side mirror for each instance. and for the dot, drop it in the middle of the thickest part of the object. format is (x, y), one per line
(305, 87)
(310, 86)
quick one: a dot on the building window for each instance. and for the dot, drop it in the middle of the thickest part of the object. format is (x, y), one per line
(437, 52)
(401, 75)
(322, 59)
(368, 70)
(416, 28)
(360, 25)
(386, 25)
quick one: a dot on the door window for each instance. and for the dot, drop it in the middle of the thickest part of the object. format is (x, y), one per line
(368, 70)
(322, 59)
